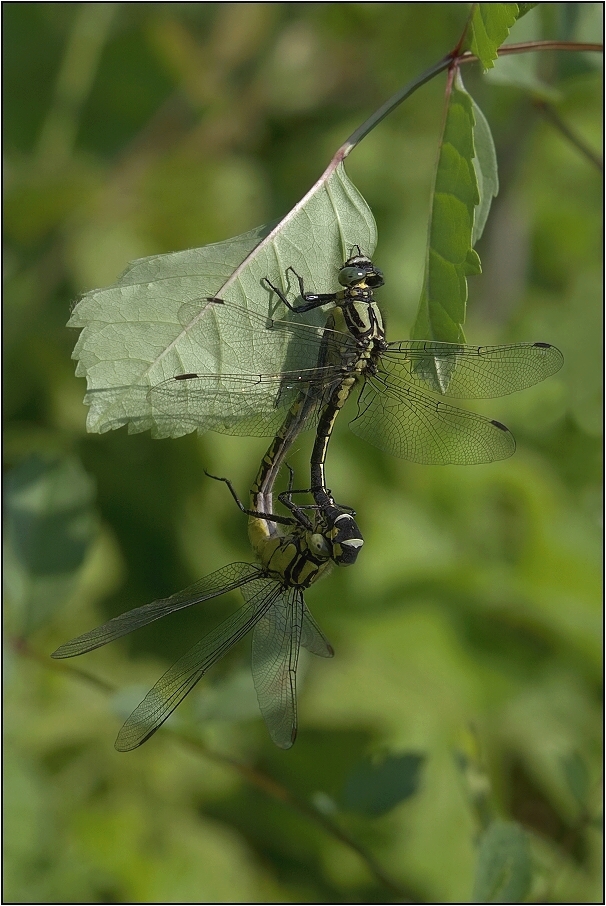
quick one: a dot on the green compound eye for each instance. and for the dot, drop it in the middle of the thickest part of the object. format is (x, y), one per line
(350, 275)
(319, 545)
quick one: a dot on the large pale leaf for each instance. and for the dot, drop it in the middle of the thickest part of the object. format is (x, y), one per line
(153, 323)
(450, 255)
(489, 26)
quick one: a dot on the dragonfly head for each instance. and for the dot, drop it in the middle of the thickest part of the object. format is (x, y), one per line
(360, 270)
(345, 538)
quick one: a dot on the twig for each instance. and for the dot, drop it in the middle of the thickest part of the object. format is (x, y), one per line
(281, 793)
(251, 775)
(551, 114)
(453, 58)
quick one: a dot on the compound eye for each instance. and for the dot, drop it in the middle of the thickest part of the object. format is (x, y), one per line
(319, 545)
(350, 275)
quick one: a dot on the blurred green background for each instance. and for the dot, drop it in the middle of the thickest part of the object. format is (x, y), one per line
(133, 129)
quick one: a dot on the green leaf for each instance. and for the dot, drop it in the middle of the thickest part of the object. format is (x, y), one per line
(524, 8)
(49, 525)
(466, 180)
(485, 165)
(151, 324)
(489, 26)
(374, 788)
(503, 873)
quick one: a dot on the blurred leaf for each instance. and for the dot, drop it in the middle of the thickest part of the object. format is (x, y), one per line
(50, 523)
(450, 256)
(147, 327)
(374, 788)
(490, 24)
(503, 873)
(577, 776)
(476, 781)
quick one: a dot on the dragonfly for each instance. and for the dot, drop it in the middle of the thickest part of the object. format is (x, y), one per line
(293, 553)
(400, 384)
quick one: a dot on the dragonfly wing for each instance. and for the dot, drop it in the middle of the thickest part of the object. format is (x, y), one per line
(275, 652)
(411, 425)
(312, 637)
(249, 368)
(180, 679)
(469, 372)
(228, 337)
(225, 334)
(245, 405)
(225, 579)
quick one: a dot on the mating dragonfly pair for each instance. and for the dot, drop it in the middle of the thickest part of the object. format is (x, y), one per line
(399, 410)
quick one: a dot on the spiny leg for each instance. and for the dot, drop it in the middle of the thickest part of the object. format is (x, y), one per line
(270, 517)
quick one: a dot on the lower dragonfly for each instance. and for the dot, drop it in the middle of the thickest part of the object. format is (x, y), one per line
(290, 560)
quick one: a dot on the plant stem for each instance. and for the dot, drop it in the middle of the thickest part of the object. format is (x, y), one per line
(251, 775)
(551, 114)
(281, 793)
(449, 60)
(390, 105)
(532, 46)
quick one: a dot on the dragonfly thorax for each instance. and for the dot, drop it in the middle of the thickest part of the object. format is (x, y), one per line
(295, 559)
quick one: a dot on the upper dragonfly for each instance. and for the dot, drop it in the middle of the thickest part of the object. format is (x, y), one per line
(400, 383)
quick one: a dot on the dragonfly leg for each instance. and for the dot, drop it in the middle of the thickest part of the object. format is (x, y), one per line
(311, 300)
(270, 517)
(285, 498)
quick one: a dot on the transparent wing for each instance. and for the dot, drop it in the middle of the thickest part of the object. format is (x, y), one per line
(249, 368)
(469, 372)
(238, 339)
(411, 425)
(275, 652)
(246, 405)
(180, 679)
(225, 579)
(312, 637)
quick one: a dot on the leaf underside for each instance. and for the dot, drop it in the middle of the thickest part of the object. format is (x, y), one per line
(155, 321)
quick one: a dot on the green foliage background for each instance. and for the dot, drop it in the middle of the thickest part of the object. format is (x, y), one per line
(133, 129)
